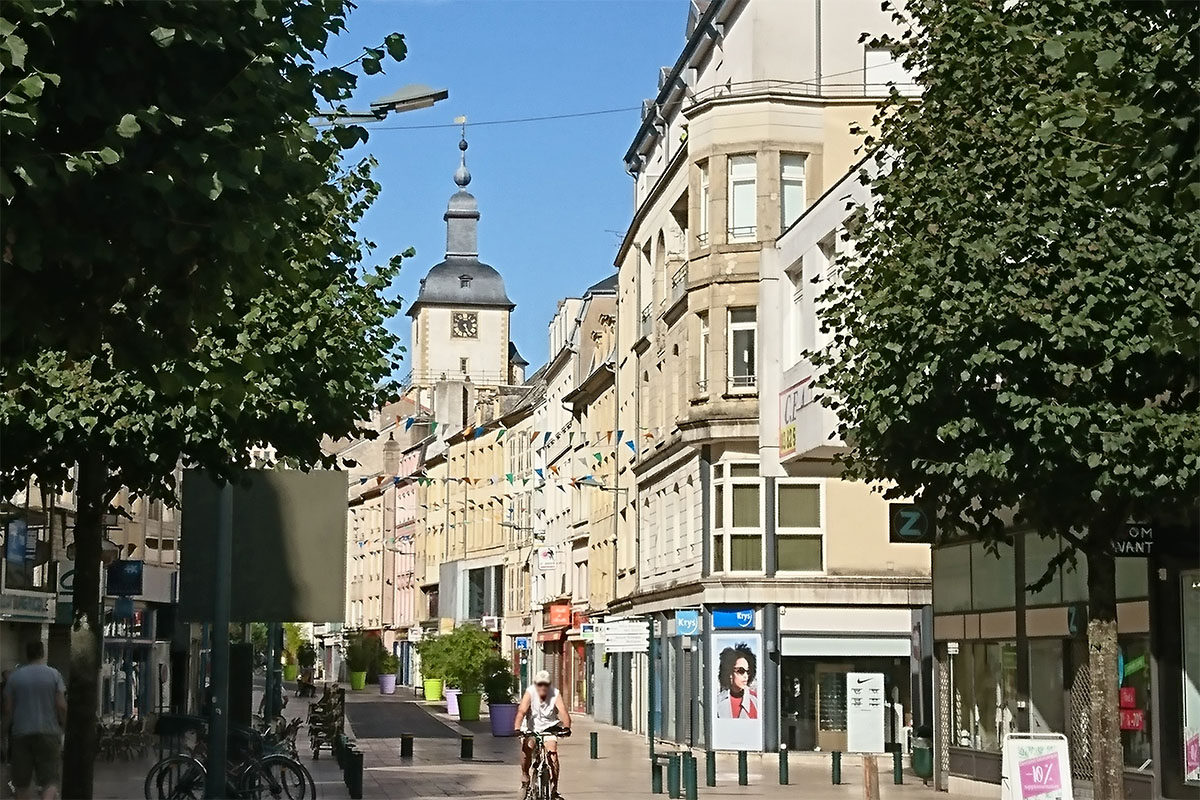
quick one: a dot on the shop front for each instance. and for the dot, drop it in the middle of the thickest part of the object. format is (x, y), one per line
(552, 644)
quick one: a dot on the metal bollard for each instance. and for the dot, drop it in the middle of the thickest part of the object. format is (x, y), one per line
(354, 773)
(710, 768)
(897, 767)
(690, 790)
(837, 767)
(656, 777)
(406, 745)
(783, 765)
(743, 769)
(467, 748)
(673, 776)
(594, 741)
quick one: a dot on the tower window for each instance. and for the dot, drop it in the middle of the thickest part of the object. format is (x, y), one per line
(462, 366)
(464, 281)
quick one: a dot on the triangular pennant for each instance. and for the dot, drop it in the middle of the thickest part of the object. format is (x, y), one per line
(408, 423)
(620, 436)
(539, 473)
(533, 436)
(433, 427)
(478, 431)
(500, 434)
(632, 446)
(546, 438)
(571, 438)
(508, 476)
(608, 437)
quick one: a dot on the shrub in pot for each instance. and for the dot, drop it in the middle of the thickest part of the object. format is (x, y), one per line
(468, 649)
(430, 650)
(359, 651)
(387, 673)
(500, 687)
(291, 669)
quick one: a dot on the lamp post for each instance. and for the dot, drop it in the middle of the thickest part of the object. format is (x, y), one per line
(412, 97)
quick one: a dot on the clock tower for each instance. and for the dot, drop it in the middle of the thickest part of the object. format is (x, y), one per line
(460, 318)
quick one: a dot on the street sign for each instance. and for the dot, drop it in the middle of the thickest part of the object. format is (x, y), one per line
(687, 623)
(864, 712)
(1035, 766)
(521, 643)
(416, 635)
(740, 619)
(587, 631)
(546, 559)
(908, 523)
(626, 636)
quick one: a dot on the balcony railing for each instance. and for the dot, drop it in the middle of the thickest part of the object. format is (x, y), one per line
(743, 384)
(743, 233)
(679, 282)
(647, 321)
(702, 239)
(804, 89)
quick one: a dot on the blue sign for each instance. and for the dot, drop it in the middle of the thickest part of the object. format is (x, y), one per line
(125, 578)
(521, 642)
(738, 619)
(15, 542)
(687, 623)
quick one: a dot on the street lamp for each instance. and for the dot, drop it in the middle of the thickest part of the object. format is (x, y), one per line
(412, 97)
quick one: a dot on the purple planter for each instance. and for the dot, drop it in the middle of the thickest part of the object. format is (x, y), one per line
(452, 701)
(503, 715)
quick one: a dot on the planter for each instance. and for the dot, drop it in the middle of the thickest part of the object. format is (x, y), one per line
(358, 680)
(468, 706)
(291, 672)
(452, 702)
(433, 689)
(387, 684)
(503, 715)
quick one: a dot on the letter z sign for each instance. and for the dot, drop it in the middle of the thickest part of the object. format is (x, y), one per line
(908, 523)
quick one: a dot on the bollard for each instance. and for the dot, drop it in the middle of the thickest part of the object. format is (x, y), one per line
(467, 748)
(837, 767)
(897, 768)
(710, 768)
(656, 777)
(673, 776)
(339, 749)
(690, 790)
(783, 765)
(406, 745)
(594, 741)
(354, 773)
(743, 769)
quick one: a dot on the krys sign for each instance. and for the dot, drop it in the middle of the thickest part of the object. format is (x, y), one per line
(791, 400)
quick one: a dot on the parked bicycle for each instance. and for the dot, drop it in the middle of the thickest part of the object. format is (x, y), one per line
(253, 773)
(541, 783)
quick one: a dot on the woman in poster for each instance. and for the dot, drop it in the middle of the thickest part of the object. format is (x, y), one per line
(738, 697)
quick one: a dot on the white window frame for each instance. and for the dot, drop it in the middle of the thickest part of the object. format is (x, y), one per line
(820, 530)
(798, 177)
(744, 384)
(702, 215)
(705, 346)
(743, 171)
(727, 481)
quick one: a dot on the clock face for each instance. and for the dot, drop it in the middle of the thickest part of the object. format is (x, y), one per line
(465, 325)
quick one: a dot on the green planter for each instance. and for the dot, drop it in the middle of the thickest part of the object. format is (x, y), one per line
(358, 680)
(433, 690)
(291, 672)
(468, 706)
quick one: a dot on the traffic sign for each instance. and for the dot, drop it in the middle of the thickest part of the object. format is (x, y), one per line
(626, 636)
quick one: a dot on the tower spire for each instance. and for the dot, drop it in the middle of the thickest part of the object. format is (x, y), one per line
(462, 213)
(462, 176)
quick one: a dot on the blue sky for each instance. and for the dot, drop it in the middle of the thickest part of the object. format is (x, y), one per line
(551, 192)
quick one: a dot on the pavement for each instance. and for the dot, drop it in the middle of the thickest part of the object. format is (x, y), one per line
(437, 771)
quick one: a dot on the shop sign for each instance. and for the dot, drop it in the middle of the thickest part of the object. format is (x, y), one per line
(1133, 719)
(587, 632)
(737, 708)
(521, 643)
(1134, 666)
(626, 636)
(687, 623)
(1191, 757)
(124, 578)
(578, 619)
(1134, 540)
(28, 605)
(416, 635)
(791, 400)
(1128, 697)
(558, 615)
(1035, 766)
(733, 619)
(864, 712)
(908, 523)
(546, 559)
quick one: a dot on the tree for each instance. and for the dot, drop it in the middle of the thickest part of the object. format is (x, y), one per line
(1016, 331)
(213, 297)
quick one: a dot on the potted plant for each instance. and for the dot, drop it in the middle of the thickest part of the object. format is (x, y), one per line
(387, 673)
(358, 659)
(500, 686)
(293, 640)
(468, 650)
(430, 652)
(291, 667)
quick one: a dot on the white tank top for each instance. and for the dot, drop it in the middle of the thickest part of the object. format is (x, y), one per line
(543, 714)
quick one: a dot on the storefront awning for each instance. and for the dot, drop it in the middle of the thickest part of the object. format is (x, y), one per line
(551, 636)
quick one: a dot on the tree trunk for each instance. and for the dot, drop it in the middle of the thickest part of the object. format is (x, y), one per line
(79, 750)
(1107, 755)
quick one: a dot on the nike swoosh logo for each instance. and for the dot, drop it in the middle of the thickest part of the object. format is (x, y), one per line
(864, 680)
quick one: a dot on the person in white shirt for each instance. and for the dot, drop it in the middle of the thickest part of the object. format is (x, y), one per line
(543, 705)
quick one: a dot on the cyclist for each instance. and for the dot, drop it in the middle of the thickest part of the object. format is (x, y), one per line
(544, 706)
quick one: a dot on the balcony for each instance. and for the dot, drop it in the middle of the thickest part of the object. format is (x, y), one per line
(742, 384)
(679, 282)
(646, 324)
(848, 89)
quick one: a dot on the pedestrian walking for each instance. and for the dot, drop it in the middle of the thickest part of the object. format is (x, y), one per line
(35, 711)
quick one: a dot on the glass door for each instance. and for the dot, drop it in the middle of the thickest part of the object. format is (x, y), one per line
(831, 706)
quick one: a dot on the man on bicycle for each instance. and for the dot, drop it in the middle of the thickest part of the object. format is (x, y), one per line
(544, 706)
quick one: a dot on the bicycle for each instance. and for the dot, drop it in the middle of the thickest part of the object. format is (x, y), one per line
(540, 782)
(251, 775)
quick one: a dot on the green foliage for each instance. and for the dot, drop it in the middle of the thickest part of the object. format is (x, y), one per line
(388, 664)
(466, 656)
(432, 651)
(258, 636)
(1018, 328)
(306, 656)
(293, 639)
(499, 683)
(360, 652)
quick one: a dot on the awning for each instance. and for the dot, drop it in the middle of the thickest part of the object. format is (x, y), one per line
(551, 636)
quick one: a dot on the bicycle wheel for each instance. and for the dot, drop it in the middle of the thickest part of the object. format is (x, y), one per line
(544, 792)
(278, 777)
(177, 777)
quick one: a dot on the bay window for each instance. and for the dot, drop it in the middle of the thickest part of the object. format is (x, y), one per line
(737, 518)
(743, 199)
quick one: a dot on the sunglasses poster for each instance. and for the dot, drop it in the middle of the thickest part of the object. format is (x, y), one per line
(737, 706)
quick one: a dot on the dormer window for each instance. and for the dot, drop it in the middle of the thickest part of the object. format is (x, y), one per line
(464, 281)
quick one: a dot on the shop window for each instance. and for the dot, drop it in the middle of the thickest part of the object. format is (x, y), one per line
(993, 577)
(1134, 699)
(799, 540)
(1047, 706)
(737, 516)
(1189, 591)
(984, 696)
(952, 578)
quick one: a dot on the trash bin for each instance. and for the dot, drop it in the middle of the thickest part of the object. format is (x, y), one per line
(921, 758)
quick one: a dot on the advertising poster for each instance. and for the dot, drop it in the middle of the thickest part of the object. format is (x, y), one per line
(737, 706)
(1035, 766)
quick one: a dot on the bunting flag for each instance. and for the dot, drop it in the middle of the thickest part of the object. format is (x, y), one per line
(571, 438)
(648, 435)
(433, 427)
(539, 473)
(408, 423)
(620, 436)
(632, 446)
(479, 431)
(500, 434)
(533, 436)
(598, 456)
(608, 437)
(379, 480)
(546, 440)
(361, 481)
(554, 468)
(508, 476)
